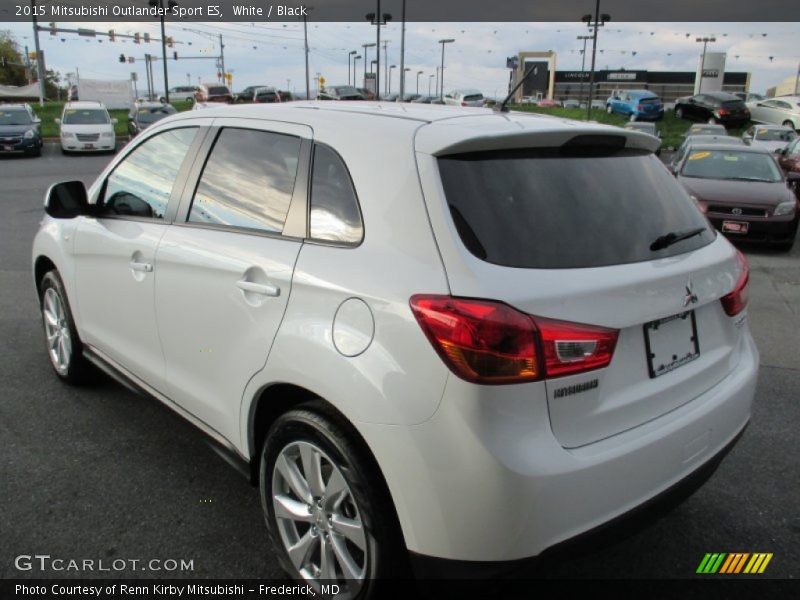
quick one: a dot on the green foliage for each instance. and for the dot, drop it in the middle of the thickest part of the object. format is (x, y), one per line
(9, 50)
(52, 111)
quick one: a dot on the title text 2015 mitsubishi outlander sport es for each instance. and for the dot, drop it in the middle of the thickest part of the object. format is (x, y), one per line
(484, 335)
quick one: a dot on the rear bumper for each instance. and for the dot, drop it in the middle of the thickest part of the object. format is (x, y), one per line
(484, 480)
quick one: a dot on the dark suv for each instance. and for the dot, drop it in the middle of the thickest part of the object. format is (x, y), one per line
(713, 107)
(19, 130)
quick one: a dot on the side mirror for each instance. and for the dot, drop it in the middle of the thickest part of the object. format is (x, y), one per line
(66, 200)
(57, 121)
(114, 121)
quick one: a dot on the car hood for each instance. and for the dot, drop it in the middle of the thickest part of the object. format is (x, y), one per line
(87, 128)
(14, 130)
(738, 192)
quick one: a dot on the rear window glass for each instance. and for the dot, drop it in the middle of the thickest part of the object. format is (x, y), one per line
(473, 97)
(218, 90)
(540, 208)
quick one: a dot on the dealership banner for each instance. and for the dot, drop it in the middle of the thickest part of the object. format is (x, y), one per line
(415, 10)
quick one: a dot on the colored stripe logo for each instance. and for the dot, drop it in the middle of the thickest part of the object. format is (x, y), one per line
(734, 563)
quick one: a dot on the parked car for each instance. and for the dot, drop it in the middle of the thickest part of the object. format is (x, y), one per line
(647, 127)
(703, 140)
(396, 345)
(143, 114)
(182, 93)
(86, 127)
(424, 99)
(340, 92)
(266, 95)
(366, 93)
(706, 129)
(743, 193)
(636, 105)
(789, 158)
(390, 97)
(411, 97)
(205, 105)
(214, 92)
(598, 104)
(713, 107)
(20, 130)
(247, 95)
(547, 103)
(749, 97)
(464, 98)
(571, 103)
(783, 110)
(771, 137)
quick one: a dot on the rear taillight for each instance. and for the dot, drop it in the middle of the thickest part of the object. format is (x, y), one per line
(640, 107)
(463, 103)
(736, 301)
(723, 111)
(489, 342)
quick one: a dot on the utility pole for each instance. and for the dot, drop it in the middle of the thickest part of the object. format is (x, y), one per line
(403, 53)
(390, 79)
(441, 78)
(305, 35)
(222, 56)
(366, 54)
(585, 39)
(147, 76)
(418, 74)
(386, 62)
(349, 55)
(430, 79)
(39, 56)
(599, 21)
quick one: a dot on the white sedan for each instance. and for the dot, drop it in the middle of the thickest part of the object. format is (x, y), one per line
(783, 110)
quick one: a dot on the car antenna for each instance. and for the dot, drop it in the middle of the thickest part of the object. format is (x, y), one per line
(502, 106)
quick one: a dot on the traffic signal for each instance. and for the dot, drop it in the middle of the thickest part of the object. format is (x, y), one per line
(137, 38)
(111, 35)
(175, 55)
(146, 38)
(122, 58)
(170, 41)
(53, 30)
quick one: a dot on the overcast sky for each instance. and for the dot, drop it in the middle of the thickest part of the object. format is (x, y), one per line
(272, 54)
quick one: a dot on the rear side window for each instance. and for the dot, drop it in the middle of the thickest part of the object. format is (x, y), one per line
(544, 209)
(248, 181)
(335, 215)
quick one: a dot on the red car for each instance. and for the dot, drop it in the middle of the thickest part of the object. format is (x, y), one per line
(789, 157)
(547, 103)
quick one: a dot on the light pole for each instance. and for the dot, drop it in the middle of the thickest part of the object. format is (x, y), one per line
(403, 49)
(386, 62)
(418, 74)
(705, 41)
(430, 79)
(585, 38)
(170, 5)
(349, 54)
(355, 69)
(305, 37)
(366, 47)
(403, 72)
(441, 79)
(390, 78)
(378, 20)
(599, 21)
(437, 80)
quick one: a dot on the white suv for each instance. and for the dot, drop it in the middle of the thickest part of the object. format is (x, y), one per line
(86, 127)
(481, 337)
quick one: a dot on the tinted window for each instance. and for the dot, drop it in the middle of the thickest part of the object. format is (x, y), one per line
(85, 116)
(550, 209)
(334, 208)
(731, 164)
(248, 180)
(141, 185)
(218, 91)
(15, 116)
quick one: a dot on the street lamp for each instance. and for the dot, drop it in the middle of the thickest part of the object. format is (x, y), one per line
(355, 69)
(378, 20)
(170, 5)
(430, 79)
(418, 74)
(365, 47)
(390, 78)
(599, 21)
(585, 38)
(441, 79)
(705, 41)
(349, 54)
(403, 72)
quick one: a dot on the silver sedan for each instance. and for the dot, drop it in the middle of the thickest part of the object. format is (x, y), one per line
(783, 110)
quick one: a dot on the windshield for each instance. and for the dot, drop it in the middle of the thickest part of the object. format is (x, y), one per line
(151, 115)
(731, 165)
(85, 116)
(775, 135)
(547, 209)
(15, 117)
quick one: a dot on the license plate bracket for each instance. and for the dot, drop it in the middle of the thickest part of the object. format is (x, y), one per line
(671, 343)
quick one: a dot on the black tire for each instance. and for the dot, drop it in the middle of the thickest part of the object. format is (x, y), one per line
(64, 152)
(77, 369)
(37, 152)
(788, 123)
(316, 424)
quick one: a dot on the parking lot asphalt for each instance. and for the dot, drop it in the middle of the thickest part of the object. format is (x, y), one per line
(100, 473)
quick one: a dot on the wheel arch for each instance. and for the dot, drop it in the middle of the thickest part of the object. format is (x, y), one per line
(42, 265)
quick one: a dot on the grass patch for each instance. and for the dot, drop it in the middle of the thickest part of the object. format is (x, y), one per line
(52, 111)
(671, 129)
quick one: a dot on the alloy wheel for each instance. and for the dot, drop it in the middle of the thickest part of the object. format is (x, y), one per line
(318, 520)
(56, 325)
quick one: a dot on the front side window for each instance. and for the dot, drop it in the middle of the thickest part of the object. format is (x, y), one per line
(335, 215)
(248, 181)
(141, 184)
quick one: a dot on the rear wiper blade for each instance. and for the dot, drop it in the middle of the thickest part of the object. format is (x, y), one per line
(673, 237)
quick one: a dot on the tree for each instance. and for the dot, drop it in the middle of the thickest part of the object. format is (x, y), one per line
(9, 50)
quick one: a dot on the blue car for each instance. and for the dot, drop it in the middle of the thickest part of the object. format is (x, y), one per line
(638, 105)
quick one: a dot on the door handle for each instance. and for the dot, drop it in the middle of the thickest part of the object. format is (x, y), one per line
(265, 289)
(140, 266)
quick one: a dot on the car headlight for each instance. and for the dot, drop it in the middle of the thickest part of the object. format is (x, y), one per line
(785, 208)
(107, 134)
(29, 134)
(67, 135)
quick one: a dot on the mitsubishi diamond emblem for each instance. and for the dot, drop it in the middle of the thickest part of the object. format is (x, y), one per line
(736, 211)
(690, 297)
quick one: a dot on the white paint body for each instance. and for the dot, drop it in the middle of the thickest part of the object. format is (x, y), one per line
(475, 472)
